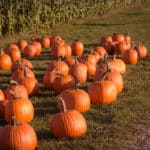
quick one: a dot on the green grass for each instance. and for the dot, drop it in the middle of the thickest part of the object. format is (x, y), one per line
(124, 124)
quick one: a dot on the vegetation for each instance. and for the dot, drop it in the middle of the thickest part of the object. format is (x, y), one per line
(22, 16)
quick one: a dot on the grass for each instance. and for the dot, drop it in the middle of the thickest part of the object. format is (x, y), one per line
(122, 125)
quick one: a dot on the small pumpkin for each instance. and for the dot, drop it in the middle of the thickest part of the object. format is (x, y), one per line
(19, 136)
(101, 51)
(22, 44)
(29, 51)
(79, 72)
(130, 56)
(22, 108)
(69, 61)
(45, 42)
(5, 61)
(38, 47)
(77, 48)
(68, 49)
(141, 50)
(118, 37)
(68, 123)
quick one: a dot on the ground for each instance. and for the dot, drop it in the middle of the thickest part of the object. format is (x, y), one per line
(122, 125)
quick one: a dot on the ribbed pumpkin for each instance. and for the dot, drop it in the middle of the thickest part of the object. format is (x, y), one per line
(29, 51)
(69, 61)
(17, 136)
(5, 61)
(118, 65)
(130, 56)
(79, 72)
(22, 44)
(48, 79)
(63, 82)
(102, 92)
(22, 108)
(59, 66)
(68, 123)
(30, 83)
(76, 99)
(77, 48)
(2, 97)
(19, 73)
(68, 52)
(19, 90)
(101, 51)
(141, 50)
(21, 63)
(38, 47)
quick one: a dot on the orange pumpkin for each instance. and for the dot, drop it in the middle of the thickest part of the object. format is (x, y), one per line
(29, 51)
(22, 44)
(127, 38)
(130, 56)
(77, 48)
(21, 63)
(76, 99)
(101, 51)
(54, 39)
(5, 61)
(18, 135)
(79, 72)
(63, 82)
(22, 108)
(69, 61)
(118, 37)
(19, 90)
(68, 123)
(38, 47)
(141, 50)
(102, 92)
(68, 49)
(45, 42)
(123, 46)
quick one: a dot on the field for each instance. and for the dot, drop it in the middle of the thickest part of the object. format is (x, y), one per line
(122, 125)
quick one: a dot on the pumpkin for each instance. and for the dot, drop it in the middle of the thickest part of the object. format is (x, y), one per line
(59, 66)
(118, 65)
(38, 47)
(68, 123)
(21, 63)
(22, 44)
(88, 58)
(127, 38)
(58, 51)
(31, 84)
(48, 79)
(102, 92)
(63, 82)
(69, 61)
(5, 61)
(101, 51)
(19, 73)
(2, 97)
(105, 39)
(54, 39)
(96, 55)
(45, 42)
(29, 51)
(19, 136)
(141, 50)
(77, 48)
(19, 90)
(79, 72)
(36, 38)
(68, 49)
(122, 47)
(130, 56)
(75, 99)
(118, 37)
(22, 108)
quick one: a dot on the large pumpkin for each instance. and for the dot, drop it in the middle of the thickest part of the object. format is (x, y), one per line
(5, 61)
(17, 136)
(22, 108)
(102, 92)
(19, 90)
(68, 123)
(76, 99)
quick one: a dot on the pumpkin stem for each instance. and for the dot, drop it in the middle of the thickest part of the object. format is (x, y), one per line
(76, 61)
(1, 51)
(13, 82)
(63, 104)
(13, 94)
(14, 121)
(20, 64)
(114, 57)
